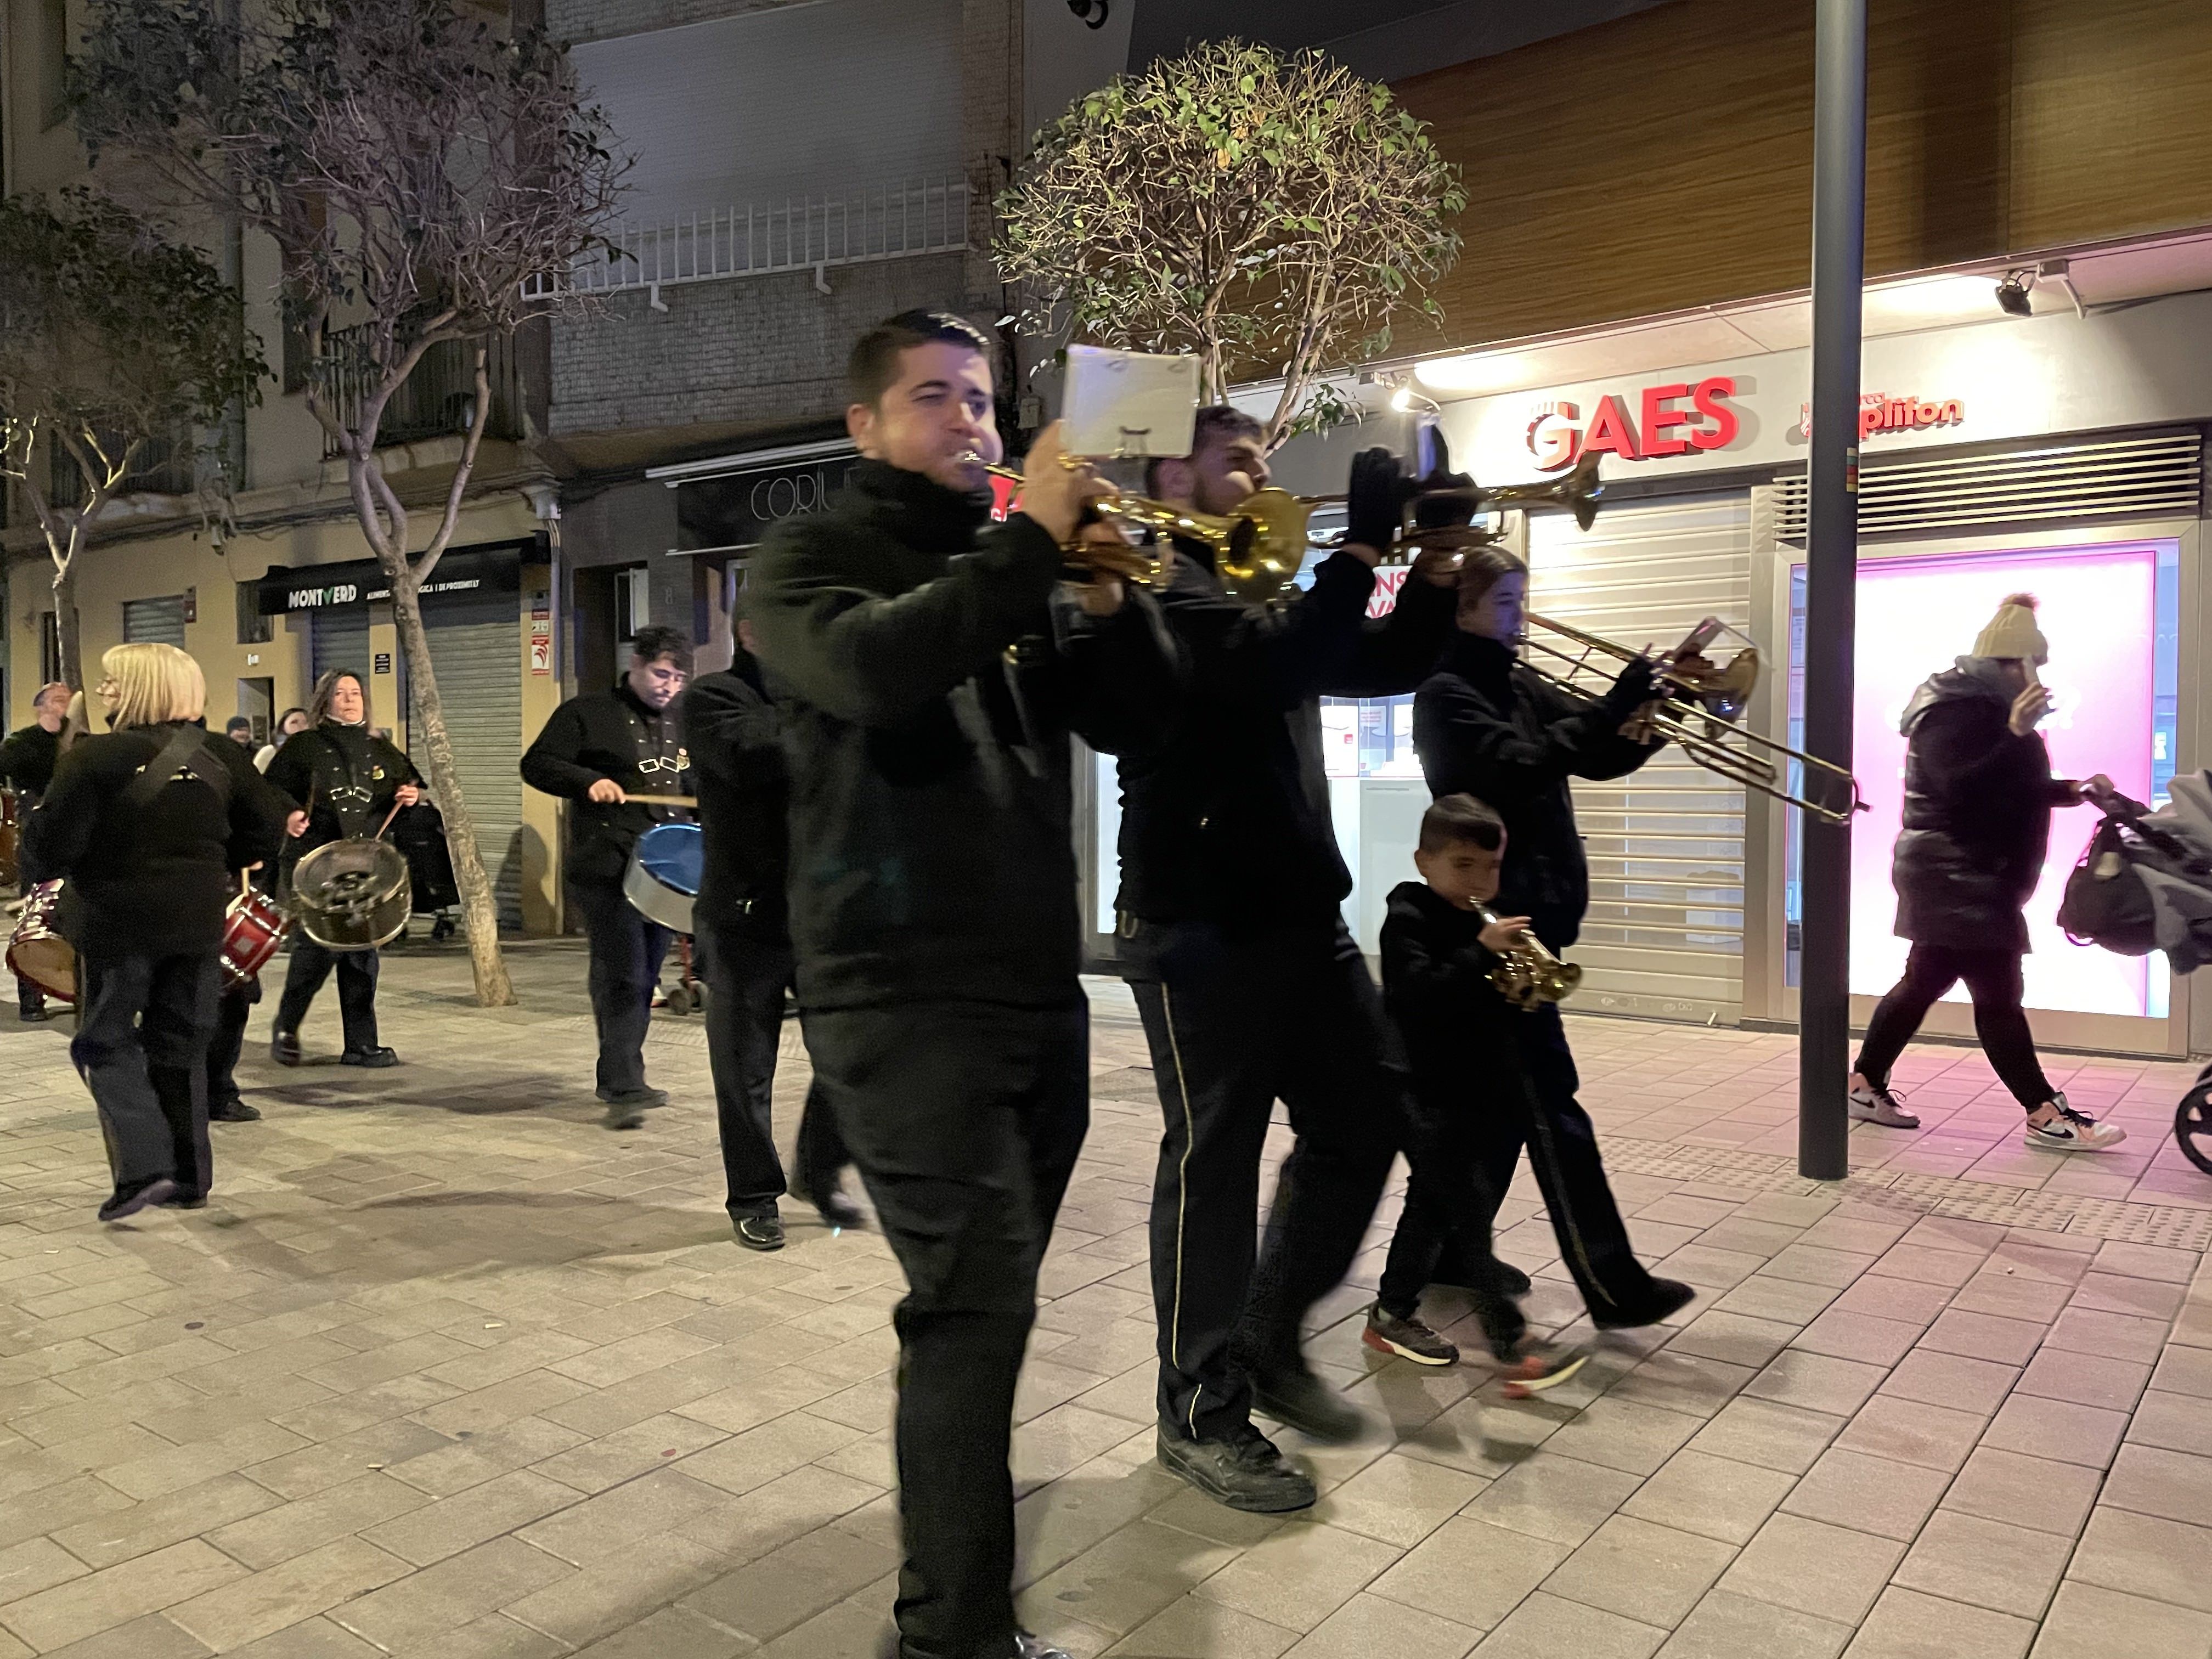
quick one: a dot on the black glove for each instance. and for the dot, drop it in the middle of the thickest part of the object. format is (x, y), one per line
(1443, 499)
(1635, 687)
(1376, 500)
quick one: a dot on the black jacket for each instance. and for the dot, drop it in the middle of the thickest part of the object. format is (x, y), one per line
(1977, 821)
(148, 872)
(610, 734)
(936, 673)
(1229, 820)
(1458, 1031)
(344, 777)
(735, 733)
(1490, 726)
(27, 757)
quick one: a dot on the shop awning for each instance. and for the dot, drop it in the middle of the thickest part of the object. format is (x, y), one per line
(488, 567)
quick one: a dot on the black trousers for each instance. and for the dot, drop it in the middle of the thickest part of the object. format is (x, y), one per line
(1450, 1202)
(965, 1120)
(1993, 979)
(232, 1008)
(141, 1040)
(304, 974)
(1563, 1152)
(746, 978)
(626, 956)
(1235, 1024)
(29, 999)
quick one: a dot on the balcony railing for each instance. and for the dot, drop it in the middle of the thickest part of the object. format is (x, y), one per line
(930, 216)
(162, 466)
(435, 401)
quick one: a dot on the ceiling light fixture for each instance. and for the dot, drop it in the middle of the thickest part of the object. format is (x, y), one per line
(2013, 293)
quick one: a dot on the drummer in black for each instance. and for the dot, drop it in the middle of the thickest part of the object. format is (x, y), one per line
(598, 749)
(27, 765)
(341, 780)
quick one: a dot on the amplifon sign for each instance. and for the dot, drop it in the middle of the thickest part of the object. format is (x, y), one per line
(1659, 425)
(1880, 412)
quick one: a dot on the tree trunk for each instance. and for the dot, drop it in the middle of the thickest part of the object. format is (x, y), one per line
(65, 625)
(479, 909)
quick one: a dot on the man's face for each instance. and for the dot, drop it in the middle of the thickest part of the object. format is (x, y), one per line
(1217, 477)
(745, 636)
(655, 684)
(52, 706)
(240, 735)
(935, 419)
(348, 706)
(1462, 872)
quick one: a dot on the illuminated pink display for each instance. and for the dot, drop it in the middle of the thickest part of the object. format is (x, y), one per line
(1914, 616)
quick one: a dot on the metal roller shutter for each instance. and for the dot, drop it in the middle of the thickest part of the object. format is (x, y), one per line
(476, 647)
(338, 638)
(155, 621)
(1664, 935)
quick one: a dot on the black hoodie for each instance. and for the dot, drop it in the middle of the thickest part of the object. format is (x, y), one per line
(935, 673)
(734, 730)
(1229, 820)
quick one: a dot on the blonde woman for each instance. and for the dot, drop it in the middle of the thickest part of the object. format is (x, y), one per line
(146, 824)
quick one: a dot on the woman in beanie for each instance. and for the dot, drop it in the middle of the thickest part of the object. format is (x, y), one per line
(1978, 798)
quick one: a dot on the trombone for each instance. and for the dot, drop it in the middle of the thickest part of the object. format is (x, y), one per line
(1700, 708)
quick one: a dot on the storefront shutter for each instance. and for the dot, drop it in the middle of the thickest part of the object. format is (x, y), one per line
(338, 638)
(1664, 935)
(155, 621)
(476, 647)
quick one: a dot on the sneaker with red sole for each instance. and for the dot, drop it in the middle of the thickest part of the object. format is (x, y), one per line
(1546, 1368)
(1408, 1338)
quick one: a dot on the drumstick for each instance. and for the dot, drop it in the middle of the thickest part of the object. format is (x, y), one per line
(661, 800)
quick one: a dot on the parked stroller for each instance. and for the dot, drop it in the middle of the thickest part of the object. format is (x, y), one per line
(419, 833)
(2144, 884)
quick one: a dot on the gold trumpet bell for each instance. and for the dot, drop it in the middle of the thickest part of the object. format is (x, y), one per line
(1272, 548)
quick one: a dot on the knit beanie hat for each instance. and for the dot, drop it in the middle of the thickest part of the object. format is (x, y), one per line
(2013, 633)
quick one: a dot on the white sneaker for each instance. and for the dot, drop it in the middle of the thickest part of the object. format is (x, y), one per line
(1874, 1104)
(2073, 1132)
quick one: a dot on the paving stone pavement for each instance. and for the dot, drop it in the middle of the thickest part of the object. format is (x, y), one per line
(446, 1368)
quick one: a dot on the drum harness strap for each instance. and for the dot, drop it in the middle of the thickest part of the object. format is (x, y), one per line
(183, 755)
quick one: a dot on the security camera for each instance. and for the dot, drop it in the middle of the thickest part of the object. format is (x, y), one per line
(1092, 12)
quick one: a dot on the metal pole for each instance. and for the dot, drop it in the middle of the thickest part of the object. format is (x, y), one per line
(1831, 575)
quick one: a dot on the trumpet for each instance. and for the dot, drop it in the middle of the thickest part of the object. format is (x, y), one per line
(1700, 710)
(1528, 975)
(1580, 492)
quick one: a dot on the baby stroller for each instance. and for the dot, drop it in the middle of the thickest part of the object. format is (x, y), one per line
(419, 833)
(2144, 884)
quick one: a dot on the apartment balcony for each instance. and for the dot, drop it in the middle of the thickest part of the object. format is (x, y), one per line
(437, 400)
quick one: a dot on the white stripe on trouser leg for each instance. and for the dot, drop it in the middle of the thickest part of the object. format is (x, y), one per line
(1182, 1200)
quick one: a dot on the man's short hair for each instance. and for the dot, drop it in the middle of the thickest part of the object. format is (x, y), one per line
(1457, 820)
(653, 642)
(1215, 423)
(237, 723)
(873, 367)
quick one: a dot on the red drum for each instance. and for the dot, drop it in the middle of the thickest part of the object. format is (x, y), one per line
(251, 929)
(36, 952)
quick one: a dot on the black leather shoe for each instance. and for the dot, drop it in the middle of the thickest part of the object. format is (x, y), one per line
(32, 1014)
(758, 1232)
(184, 1201)
(1027, 1646)
(1246, 1474)
(233, 1111)
(839, 1211)
(284, 1047)
(643, 1099)
(1511, 1281)
(1295, 1397)
(624, 1116)
(158, 1191)
(375, 1058)
(1669, 1296)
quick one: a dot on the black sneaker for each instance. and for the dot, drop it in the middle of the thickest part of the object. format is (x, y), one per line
(1245, 1474)
(1296, 1397)
(32, 1013)
(624, 1115)
(1512, 1282)
(1027, 1646)
(1669, 1296)
(1408, 1338)
(159, 1190)
(374, 1059)
(184, 1201)
(233, 1111)
(1530, 1373)
(643, 1099)
(284, 1047)
(839, 1211)
(758, 1232)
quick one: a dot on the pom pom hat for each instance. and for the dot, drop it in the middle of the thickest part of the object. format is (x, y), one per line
(2013, 633)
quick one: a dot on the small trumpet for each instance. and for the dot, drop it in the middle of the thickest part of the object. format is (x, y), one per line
(1580, 492)
(1528, 975)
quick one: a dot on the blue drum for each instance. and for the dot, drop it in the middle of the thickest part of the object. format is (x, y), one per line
(663, 874)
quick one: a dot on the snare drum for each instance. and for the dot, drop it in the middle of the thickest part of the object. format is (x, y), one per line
(664, 875)
(36, 952)
(252, 928)
(352, 895)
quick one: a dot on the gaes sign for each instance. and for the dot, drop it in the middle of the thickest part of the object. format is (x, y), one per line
(1660, 426)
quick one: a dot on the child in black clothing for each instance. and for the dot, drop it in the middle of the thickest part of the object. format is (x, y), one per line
(1439, 948)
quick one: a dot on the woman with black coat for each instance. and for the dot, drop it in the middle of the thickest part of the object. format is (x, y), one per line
(340, 780)
(1978, 798)
(146, 826)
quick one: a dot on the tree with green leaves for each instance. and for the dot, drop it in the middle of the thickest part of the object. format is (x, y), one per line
(1272, 213)
(113, 338)
(426, 178)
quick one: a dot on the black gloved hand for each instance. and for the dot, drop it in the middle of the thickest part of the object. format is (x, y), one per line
(1635, 687)
(1376, 500)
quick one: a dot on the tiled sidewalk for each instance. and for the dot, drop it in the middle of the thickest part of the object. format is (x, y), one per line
(448, 1369)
